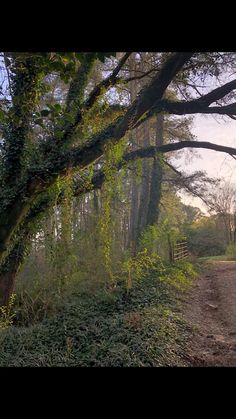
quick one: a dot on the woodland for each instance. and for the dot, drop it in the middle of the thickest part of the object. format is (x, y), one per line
(92, 218)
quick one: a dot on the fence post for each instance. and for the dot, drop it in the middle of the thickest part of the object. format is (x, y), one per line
(171, 252)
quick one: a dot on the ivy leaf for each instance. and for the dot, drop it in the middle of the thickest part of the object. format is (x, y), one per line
(53, 108)
(57, 107)
(39, 121)
(45, 112)
(2, 116)
(70, 117)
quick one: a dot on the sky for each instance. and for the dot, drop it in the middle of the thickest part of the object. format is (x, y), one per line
(219, 130)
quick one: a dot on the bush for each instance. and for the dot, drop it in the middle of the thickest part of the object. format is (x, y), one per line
(231, 251)
(7, 314)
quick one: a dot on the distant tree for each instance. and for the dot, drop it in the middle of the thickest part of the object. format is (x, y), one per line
(222, 201)
(192, 213)
(205, 237)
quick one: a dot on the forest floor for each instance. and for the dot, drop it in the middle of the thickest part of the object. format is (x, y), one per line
(211, 310)
(94, 326)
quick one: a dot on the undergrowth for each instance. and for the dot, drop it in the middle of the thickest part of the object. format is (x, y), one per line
(109, 327)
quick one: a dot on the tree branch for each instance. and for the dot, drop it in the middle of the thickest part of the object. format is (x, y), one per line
(217, 93)
(187, 186)
(77, 89)
(95, 147)
(150, 151)
(153, 92)
(199, 105)
(105, 84)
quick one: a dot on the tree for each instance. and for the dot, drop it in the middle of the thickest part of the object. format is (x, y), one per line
(42, 144)
(206, 237)
(222, 202)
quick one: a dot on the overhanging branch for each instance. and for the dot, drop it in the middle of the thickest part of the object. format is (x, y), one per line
(199, 105)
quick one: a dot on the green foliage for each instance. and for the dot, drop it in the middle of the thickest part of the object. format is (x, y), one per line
(179, 274)
(136, 267)
(192, 214)
(133, 322)
(7, 314)
(104, 328)
(157, 238)
(206, 237)
(231, 251)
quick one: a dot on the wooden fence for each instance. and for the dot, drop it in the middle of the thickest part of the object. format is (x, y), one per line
(180, 251)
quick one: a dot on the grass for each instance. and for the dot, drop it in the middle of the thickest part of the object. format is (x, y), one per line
(209, 258)
(107, 328)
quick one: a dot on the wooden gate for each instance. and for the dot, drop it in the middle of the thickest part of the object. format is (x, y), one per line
(180, 250)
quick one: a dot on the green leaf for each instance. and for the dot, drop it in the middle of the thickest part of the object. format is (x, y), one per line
(45, 112)
(70, 118)
(39, 121)
(57, 107)
(51, 107)
(2, 116)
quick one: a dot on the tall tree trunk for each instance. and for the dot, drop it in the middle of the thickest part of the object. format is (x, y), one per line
(144, 194)
(156, 178)
(133, 214)
(95, 218)
(134, 184)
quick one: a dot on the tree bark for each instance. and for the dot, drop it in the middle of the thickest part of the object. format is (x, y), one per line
(144, 194)
(156, 177)
(10, 220)
(10, 269)
(134, 186)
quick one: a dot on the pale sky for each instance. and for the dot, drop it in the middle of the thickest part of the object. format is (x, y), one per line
(219, 130)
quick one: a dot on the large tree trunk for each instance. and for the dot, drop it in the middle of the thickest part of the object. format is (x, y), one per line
(10, 219)
(10, 268)
(12, 262)
(7, 281)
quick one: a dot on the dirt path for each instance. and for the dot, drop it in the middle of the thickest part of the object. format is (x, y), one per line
(211, 309)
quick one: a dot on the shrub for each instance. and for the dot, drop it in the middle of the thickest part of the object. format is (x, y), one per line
(7, 314)
(231, 251)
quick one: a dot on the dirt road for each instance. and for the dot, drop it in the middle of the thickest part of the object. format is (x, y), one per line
(211, 309)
